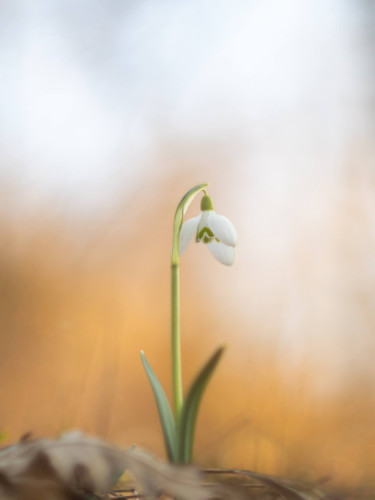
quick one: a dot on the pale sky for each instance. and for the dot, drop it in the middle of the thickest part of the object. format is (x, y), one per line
(88, 89)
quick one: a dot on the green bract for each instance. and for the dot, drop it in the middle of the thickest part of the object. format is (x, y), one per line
(179, 216)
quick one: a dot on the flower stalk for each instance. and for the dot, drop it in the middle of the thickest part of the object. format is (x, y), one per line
(175, 300)
(175, 340)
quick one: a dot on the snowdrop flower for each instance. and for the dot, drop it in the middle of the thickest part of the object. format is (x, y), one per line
(216, 231)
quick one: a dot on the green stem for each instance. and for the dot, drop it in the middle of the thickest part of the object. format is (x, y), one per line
(175, 299)
(176, 349)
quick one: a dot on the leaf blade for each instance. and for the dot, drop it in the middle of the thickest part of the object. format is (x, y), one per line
(186, 425)
(164, 409)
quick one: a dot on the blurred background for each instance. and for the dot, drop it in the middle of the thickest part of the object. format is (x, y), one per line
(109, 112)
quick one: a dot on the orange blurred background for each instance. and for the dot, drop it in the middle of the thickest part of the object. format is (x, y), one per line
(86, 230)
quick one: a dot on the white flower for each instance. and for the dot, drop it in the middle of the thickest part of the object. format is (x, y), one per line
(216, 231)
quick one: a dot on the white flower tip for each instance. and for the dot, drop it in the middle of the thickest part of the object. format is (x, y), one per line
(225, 254)
(223, 229)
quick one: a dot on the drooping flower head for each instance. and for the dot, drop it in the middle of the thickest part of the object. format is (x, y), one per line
(216, 231)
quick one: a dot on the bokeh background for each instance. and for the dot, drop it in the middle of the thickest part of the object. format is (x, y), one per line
(109, 112)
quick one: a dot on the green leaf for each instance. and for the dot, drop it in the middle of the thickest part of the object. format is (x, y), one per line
(165, 412)
(186, 427)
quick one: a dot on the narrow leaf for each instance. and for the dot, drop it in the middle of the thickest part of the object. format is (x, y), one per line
(190, 408)
(164, 409)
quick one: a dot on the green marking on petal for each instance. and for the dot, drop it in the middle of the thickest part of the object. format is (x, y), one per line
(205, 233)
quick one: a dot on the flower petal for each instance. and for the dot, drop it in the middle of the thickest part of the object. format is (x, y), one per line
(188, 228)
(223, 253)
(223, 229)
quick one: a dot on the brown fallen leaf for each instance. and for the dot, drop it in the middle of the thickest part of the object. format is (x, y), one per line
(283, 487)
(81, 467)
(78, 467)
